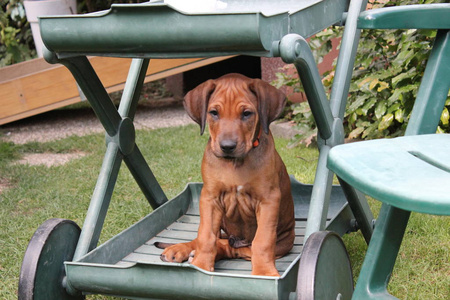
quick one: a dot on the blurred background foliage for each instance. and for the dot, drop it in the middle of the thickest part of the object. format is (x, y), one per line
(16, 40)
(388, 69)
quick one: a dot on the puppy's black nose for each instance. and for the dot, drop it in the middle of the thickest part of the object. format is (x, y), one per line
(228, 146)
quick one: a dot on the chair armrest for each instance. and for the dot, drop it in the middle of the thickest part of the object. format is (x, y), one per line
(420, 16)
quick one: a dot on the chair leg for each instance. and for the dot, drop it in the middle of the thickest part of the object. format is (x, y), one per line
(360, 208)
(381, 254)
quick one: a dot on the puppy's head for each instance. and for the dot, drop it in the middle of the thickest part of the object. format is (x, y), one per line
(236, 109)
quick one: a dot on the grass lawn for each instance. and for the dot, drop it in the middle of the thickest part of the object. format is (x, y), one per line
(37, 193)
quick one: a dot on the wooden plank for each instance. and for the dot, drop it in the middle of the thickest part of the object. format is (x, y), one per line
(180, 235)
(149, 249)
(299, 240)
(35, 91)
(164, 240)
(184, 226)
(35, 86)
(24, 69)
(189, 219)
(300, 223)
(300, 231)
(290, 257)
(297, 249)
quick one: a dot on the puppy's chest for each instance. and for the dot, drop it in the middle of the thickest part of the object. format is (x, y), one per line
(238, 202)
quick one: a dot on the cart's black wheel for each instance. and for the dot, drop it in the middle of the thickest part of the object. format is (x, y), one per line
(325, 272)
(42, 272)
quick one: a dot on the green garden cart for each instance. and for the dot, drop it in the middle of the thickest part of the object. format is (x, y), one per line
(63, 261)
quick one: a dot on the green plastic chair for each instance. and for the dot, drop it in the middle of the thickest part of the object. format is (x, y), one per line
(408, 173)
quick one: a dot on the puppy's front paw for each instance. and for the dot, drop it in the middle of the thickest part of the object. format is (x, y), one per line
(176, 253)
(204, 261)
(266, 269)
(191, 256)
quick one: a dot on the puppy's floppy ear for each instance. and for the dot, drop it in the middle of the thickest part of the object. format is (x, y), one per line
(270, 102)
(196, 102)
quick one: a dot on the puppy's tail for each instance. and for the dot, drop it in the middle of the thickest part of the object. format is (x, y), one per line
(162, 245)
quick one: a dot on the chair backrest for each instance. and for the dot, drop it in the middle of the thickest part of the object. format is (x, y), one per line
(435, 83)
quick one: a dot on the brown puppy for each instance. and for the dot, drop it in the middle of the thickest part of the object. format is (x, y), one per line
(246, 190)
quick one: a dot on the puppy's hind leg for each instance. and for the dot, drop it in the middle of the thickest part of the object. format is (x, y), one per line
(225, 250)
(176, 253)
(237, 242)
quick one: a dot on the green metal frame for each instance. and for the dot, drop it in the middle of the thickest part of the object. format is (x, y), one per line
(328, 115)
(398, 202)
(110, 268)
(120, 139)
(158, 30)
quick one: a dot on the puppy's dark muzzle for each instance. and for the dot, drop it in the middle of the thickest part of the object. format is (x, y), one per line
(228, 147)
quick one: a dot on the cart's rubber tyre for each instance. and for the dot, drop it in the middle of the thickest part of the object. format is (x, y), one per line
(325, 272)
(42, 272)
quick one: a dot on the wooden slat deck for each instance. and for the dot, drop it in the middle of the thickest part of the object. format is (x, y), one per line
(185, 229)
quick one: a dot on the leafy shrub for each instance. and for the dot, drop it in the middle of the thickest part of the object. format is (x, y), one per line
(388, 69)
(390, 65)
(15, 34)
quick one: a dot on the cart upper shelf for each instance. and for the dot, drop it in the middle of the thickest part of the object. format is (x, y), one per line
(172, 28)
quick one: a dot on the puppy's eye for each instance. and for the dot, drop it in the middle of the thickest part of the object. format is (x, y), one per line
(246, 114)
(214, 113)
